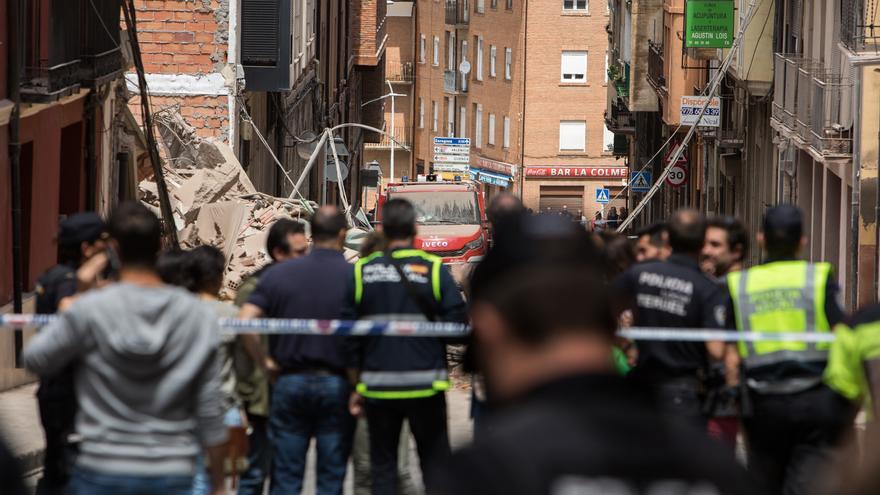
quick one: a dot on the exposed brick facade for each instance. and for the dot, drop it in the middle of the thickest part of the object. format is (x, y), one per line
(186, 37)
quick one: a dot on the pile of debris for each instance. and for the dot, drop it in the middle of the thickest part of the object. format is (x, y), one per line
(214, 201)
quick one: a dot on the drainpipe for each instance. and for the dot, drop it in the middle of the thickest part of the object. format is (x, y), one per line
(522, 133)
(92, 107)
(16, 45)
(853, 275)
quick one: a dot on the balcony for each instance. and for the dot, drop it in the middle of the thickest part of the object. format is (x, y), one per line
(831, 122)
(402, 138)
(618, 76)
(859, 27)
(812, 105)
(52, 56)
(454, 82)
(656, 74)
(458, 13)
(101, 58)
(400, 72)
(619, 119)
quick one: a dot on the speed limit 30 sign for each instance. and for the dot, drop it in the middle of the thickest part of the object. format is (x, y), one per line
(678, 174)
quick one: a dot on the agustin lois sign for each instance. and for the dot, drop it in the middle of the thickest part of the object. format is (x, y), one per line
(708, 24)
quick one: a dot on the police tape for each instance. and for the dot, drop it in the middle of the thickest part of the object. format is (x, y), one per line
(283, 326)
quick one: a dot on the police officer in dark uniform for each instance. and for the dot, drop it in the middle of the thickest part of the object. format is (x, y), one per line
(80, 237)
(562, 421)
(675, 294)
(399, 378)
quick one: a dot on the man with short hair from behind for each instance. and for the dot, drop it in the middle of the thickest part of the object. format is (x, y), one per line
(563, 421)
(652, 242)
(147, 373)
(286, 240)
(310, 395)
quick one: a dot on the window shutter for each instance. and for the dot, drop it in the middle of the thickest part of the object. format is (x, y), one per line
(259, 32)
(572, 135)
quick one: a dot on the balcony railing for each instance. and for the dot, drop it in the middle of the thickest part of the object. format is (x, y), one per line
(101, 56)
(656, 74)
(804, 116)
(727, 134)
(458, 12)
(618, 75)
(859, 27)
(831, 122)
(399, 72)
(52, 57)
(402, 138)
(454, 82)
(619, 119)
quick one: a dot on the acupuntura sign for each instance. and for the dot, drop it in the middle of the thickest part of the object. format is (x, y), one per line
(708, 24)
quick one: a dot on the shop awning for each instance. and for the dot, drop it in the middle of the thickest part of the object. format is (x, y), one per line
(492, 178)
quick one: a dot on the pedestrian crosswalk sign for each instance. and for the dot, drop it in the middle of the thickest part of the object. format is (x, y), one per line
(640, 181)
(603, 196)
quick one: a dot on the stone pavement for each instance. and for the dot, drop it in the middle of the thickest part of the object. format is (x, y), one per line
(20, 425)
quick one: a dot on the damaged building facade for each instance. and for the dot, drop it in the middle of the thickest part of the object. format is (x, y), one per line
(267, 77)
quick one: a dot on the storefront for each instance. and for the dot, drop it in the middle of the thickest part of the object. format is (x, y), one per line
(573, 189)
(496, 176)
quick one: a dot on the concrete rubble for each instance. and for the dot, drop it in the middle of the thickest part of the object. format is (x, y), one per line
(214, 201)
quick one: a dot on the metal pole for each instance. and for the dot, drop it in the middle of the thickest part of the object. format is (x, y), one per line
(391, 88)
(14, 28)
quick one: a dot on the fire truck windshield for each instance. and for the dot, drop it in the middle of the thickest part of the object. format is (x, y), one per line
(435, 208)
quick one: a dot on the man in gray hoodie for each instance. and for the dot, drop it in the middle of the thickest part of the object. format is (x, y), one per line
(147, 373)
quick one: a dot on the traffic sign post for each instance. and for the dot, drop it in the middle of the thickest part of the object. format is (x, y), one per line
(452, 154)
(640, 181)
(678, 174)
(603, 196)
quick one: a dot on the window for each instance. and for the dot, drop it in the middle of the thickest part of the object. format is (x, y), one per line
(464, 50)
(509, 5)
(421, 113)
(574, 67)
(450, 50)
(434, 116)
(494, 4)
(478, 125)
(462, 121)
(450, 117)
(480, 6)
(478, 70)
(607, 140)
(505, 143)
(508, 60)
(493, 51)
(576, 5)
(572, 135)
(422, 49)
(606, 66)
(491, 139)
(436, 55)
(464, 58)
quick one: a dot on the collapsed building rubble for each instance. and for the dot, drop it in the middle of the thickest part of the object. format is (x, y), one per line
(214, 201)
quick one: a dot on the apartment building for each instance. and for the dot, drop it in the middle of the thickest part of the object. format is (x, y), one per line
(529, 99)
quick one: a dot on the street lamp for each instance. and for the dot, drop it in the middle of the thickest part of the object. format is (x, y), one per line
(391, 95)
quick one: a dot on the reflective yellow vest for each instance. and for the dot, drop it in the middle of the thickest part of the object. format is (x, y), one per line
(846, 372)
(781, 296)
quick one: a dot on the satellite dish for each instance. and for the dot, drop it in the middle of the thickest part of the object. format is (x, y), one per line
(330, 170)
(307, 146)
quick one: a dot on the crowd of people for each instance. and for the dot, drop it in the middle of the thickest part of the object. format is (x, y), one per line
(163, 398)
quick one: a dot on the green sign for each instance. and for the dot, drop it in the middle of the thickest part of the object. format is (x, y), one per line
(708, 24)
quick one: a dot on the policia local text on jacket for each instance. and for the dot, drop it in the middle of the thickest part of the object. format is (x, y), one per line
(790, 418)
(402, 377)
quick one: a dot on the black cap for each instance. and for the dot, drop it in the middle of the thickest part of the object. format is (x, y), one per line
(79, 228)
(783, 224)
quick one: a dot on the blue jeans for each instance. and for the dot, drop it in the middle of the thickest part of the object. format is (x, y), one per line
(87, 482)
(252, 481)
(306, 406)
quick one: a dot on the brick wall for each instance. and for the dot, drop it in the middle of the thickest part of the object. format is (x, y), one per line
(208, 114)
(188, 38)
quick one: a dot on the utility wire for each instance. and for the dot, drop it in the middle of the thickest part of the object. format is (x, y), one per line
(673, 159)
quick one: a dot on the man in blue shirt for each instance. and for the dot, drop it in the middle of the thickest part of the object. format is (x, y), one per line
(311, 392)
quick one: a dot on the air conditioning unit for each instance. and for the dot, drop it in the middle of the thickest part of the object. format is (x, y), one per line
(266, 40)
